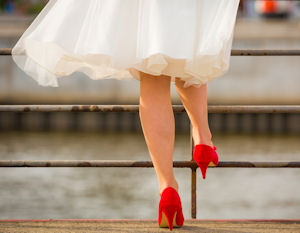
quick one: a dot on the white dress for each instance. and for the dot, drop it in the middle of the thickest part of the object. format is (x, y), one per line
(188, 39)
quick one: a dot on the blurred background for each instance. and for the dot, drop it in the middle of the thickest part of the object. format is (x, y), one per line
(109, 192)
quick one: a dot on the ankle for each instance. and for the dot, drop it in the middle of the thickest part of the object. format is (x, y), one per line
(202, 138)
(166, 184)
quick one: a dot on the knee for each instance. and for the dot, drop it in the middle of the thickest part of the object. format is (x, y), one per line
(157, 82)
(179, 83)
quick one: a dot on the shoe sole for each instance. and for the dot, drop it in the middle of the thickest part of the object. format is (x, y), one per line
(211, 164)
(164, 221)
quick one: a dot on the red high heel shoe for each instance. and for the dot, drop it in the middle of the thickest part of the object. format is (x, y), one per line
(205, 155)
(170, 209)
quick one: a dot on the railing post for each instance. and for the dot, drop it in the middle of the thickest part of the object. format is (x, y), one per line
(193, 179)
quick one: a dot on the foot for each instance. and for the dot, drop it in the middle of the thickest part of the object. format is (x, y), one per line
(170, 209)
(204, 155)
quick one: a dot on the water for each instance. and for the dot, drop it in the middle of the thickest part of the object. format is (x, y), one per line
(43, 193)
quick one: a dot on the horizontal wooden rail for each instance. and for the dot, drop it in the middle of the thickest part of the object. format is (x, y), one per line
(234, 52)
(135, 163)
(135, 108)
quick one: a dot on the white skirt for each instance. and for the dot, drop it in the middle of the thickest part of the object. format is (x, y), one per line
(188, 39)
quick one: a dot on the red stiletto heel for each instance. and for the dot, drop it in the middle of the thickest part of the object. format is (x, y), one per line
(170, 209)
(205, 155)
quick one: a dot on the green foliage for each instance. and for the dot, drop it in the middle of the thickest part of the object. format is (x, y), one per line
(35, 8)
(2, 4)
(31, 8)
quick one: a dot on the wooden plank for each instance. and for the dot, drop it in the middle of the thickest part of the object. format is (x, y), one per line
(150, 225)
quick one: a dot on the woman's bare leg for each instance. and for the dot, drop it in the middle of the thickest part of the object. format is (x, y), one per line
(158, 124)
(194, 100)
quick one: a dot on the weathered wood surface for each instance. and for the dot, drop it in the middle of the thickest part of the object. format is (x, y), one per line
(93, 225)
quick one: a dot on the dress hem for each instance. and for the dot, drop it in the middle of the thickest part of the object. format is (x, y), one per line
(34, 57)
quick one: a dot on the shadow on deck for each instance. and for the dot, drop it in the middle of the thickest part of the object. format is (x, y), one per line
(149, 225)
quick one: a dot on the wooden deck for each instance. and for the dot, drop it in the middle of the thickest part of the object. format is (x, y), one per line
(125, 225)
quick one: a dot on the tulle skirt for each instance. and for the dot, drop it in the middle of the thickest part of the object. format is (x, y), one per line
(187, 39)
